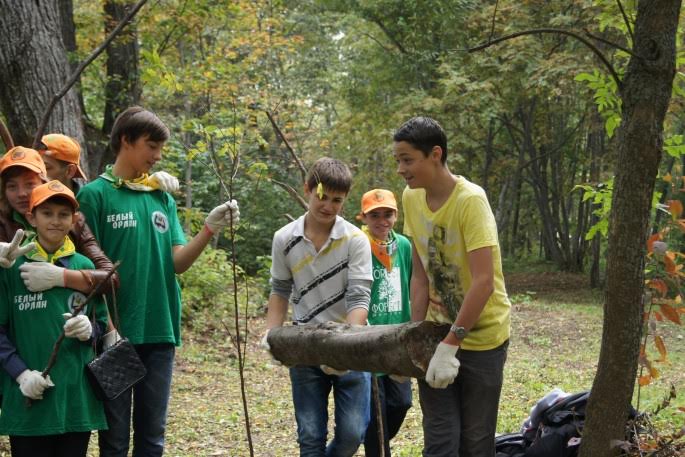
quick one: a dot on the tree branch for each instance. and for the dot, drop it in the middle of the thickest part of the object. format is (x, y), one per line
(74, 77)
(6, 136)
(580, 38)
(612, 44)
(296, 159)
(625, 19)
(492, 27)
(293, 193)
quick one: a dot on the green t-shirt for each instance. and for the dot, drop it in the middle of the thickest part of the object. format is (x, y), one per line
(139, 229)
(34, 322)
(390, 290)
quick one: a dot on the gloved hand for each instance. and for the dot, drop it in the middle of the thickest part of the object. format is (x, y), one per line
(32, 384)
(399, 379)
(264, 344)
(221, 216)
(40, 276)
(109, 339)
(10, 251)
(443, 367)
(77, 327)
(164, 181)
(330, 371)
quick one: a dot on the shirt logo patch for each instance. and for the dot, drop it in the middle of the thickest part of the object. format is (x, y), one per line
(75, 300)
(160, 222)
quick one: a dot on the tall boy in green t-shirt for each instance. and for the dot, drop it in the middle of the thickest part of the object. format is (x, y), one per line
(63, 413)
(136, 223)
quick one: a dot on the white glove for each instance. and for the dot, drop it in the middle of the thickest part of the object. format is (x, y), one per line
(10, 251)
(164, 181)
(399, 379)
(443, 367)
(77, 327)
(221, 216)
(32, 384)
(264, 344)
(110, 339)
(40, 276)
(330, 371)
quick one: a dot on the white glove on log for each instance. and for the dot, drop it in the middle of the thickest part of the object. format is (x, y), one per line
(264, 344)
(221, 216)
(443, 367)
(32, 384)
(164, 181)
(330, 371)
(78, 327)
(10, 251)
(40, 276)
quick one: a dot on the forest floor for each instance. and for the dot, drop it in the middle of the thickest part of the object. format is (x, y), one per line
(555, 339)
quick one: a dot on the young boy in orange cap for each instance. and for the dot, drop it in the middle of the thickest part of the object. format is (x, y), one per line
(391, 253)
(64, 409)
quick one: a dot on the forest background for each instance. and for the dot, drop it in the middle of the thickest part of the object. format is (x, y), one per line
(246, 85)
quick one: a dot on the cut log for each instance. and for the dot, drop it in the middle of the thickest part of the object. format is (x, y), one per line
(403, 349)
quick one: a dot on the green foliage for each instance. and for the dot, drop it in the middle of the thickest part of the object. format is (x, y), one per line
(606, 98)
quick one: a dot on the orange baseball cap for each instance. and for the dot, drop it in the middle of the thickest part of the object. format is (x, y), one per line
(64, 148)
(48, 190)
(20, 156)
(378, 198)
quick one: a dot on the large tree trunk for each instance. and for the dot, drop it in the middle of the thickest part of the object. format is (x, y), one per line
(33, 67)
(645, 95)
(404, 349)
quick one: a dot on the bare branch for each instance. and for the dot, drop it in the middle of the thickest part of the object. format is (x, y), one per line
(580, 38)
(6, 136)
(293, 193)
(612, 44)
(492, 27)
(74, 77)
(296, 159)
(626, 20)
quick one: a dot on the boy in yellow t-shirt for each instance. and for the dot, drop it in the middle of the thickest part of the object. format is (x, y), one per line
(457, 279)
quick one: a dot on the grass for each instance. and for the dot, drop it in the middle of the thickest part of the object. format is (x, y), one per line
(556, 335)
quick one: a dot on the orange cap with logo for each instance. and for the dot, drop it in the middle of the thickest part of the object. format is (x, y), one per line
(378, 198)
(48, 190)
(20, 156)
(64, 148)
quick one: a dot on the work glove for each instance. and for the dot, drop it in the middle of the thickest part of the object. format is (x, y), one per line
(264, 344)
(164, 181)
(399, 379)
(10, 251)
(32, 384)
(330, 371)
(77, 327)
(443, 367)
(40, 276)
(110, 339)
(221, 216)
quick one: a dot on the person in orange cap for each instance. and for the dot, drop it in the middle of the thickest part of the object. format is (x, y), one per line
(391, 254)
(64, 409)
(21, 170)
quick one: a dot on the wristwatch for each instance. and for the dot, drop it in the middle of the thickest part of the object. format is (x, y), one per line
(459, 332)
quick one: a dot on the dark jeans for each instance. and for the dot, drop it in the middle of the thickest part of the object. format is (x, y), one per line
(311, 388)
(149, 399)
(395, 400)
(461, 420)
(74, 444)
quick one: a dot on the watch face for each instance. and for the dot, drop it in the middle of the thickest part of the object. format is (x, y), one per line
(459, 332)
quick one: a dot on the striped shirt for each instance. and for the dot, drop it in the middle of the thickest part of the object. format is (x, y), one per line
(320, 279)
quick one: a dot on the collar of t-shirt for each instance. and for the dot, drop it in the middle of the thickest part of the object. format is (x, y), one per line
(337, 231)
(39, 254)
(140, 184)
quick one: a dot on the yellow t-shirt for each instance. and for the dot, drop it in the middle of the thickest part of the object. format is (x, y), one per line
(443, 238)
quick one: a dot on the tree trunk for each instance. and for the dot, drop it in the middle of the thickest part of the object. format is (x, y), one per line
(123, 86)
(33, 67)
(645, 94)
(404, 349)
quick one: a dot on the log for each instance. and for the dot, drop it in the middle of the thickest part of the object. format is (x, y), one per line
(403, 349)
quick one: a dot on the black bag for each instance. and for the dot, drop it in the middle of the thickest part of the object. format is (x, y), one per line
(115, 371)
(117, 368)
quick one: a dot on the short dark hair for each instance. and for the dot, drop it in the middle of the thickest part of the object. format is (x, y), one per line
(423, 133)
(135, 122)
(331, 173)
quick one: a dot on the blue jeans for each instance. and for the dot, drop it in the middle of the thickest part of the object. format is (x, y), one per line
(395, 400)
(461, 419)
(150, 398)
(311, 387)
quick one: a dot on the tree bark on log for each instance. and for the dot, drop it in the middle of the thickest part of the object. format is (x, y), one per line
(403, 349)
